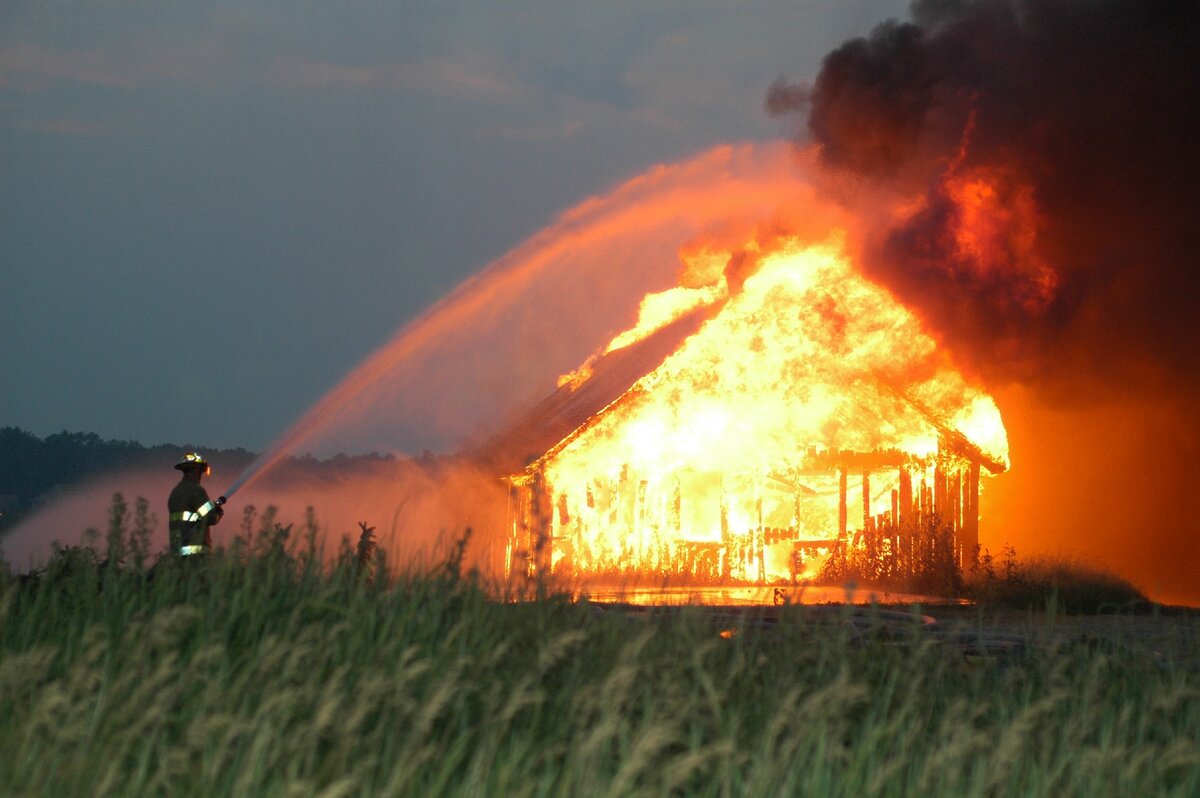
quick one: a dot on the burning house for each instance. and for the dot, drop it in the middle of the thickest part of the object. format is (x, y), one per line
(755, 421)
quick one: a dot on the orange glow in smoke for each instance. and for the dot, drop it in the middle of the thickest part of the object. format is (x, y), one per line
(995, 233)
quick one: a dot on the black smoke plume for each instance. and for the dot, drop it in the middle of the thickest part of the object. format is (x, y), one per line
(1082, 122)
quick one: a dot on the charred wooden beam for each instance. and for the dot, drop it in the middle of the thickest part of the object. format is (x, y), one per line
(951, 440)
(540, 521)
(938, 504)
(640, 520)
(513, 515)
(676, 507)
(866, 498)
(759, 544)
(955, 491)
(971, 512)
(725, 554)
(842, 509)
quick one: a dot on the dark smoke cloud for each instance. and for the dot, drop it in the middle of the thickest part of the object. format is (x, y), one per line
(1081, 119)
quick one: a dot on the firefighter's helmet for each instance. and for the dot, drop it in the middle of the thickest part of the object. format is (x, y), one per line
(193, 460)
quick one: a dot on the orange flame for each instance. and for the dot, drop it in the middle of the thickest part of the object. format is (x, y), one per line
(729, 449)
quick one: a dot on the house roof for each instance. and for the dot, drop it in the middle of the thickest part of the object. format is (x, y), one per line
(569, 408)
(573, 409)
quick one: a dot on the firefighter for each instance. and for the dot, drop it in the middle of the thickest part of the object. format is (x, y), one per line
(191, 511)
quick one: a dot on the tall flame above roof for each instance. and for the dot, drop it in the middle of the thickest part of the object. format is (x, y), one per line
(807, 353)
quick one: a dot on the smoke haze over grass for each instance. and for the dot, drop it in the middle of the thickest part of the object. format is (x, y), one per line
(417, 508)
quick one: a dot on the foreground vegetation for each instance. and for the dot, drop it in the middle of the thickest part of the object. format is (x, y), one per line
(267, 673)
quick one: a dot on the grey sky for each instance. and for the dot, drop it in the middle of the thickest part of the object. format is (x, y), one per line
(211, 212)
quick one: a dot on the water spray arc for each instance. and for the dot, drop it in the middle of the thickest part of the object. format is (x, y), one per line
(365, 376)
(566, 272)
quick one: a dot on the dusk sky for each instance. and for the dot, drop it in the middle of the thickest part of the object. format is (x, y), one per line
(210, 214)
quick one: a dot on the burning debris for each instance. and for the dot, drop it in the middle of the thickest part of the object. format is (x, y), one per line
(780, 418)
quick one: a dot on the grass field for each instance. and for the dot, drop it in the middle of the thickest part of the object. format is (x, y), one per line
(266, 674)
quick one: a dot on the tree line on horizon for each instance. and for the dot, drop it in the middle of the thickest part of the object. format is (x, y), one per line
(33, 468)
